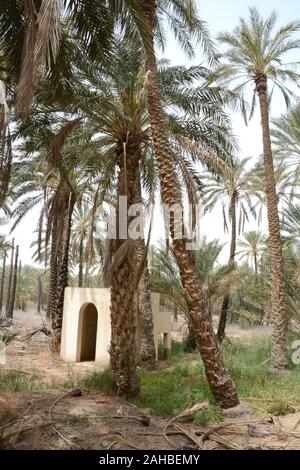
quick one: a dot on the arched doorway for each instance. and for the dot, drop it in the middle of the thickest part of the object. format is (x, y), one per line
(89, 333)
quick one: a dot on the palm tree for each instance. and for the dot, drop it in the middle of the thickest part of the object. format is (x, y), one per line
(147, 347)
(62, 253)
(291, 222)
(4, 247)
(5, 162)
(10, 277)
(79, 235)
(122, 118)
(216, 281)
(186, 23)
(256, 55)
(84, 222)
(251, 248)
(58, 185)
(136, 15)
(39, 293)
(285, 133)
(285, 186)
(4, 254)
(10, 312)
(37, 44)
(234, 192)
(57, 204)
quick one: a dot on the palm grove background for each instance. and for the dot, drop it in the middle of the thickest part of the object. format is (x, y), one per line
(89, 114)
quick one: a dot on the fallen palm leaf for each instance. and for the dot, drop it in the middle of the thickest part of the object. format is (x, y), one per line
(17, 418)
(190, 411)
(185, 414)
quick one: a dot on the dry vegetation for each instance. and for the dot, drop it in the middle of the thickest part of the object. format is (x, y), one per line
(46, 404)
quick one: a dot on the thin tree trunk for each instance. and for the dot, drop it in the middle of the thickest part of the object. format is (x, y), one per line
(10, 277)
(123, 348)
(86, 275)
(62, 278)
(10, 312)
(18, 301)
(39, 300)
(147, 354)
(175, 313)
(147, 350)
(218, 377)
(279, 312)
(226, 299)
(53, 271)
(2, 281)
(80, 270)
(255, 263)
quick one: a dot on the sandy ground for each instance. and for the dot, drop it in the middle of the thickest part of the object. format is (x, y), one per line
(232, 331)
(53, 418)
(33, 356)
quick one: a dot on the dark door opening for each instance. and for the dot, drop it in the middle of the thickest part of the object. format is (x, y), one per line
(89, 333)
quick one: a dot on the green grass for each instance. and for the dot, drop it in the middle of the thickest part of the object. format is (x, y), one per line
(280, 409)
(179, 349)
(182, 383)
(17, 381)
(168, 392)
(103, 382)
(249, 366)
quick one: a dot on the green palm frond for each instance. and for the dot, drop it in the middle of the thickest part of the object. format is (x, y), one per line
(254, 50)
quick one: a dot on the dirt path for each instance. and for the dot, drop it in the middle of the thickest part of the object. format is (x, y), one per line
(50, 419)
(33, 357)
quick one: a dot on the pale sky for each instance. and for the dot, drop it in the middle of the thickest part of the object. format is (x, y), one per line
(220, 15)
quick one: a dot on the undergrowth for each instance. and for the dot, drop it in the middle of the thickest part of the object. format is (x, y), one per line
(18, 381)
(182, 383)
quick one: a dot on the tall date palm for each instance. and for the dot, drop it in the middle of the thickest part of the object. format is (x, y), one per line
(234, 191)
(142, 19)
(255, 55)
(219, 379)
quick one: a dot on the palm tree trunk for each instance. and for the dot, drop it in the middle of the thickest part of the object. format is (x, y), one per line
(123, 348)
(39, 299)
(10, 277)
(226, 299)
(53, 271)
(175, 313)
(255, 263)
(279, 312)
(147, 349)
(80, 270)
(2, 281)
(87, 275)
(18, 301)
(147, 354)
(218, 377)
(10, 312)
(190, 339)
(62, 277)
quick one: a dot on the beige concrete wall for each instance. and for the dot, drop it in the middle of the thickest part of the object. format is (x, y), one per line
(76, 299)
(162, 322)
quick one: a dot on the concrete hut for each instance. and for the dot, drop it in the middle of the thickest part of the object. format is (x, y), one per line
(86, 329)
